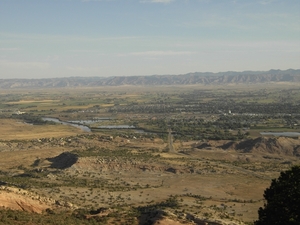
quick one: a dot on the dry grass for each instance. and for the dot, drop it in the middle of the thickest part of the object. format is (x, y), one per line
(219, 180)
(15, 130)
(26, 158)
(33, 101)
(229, 178)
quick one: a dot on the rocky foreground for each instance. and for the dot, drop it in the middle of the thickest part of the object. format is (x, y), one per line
(209, 182)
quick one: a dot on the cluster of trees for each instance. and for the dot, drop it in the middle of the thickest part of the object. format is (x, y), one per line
(213, 107)
(198, 128)
(282, 198)
(32, 119)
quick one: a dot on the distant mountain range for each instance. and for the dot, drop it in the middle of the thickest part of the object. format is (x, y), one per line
(222, 78)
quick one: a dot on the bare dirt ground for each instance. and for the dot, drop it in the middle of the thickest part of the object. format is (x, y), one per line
(19, 199)
(210, 183)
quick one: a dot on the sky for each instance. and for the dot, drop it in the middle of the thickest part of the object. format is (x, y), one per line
(88, 38)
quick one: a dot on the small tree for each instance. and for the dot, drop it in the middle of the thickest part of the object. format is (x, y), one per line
(282, 200)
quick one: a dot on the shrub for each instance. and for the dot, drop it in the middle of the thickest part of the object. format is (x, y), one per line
(282, 200)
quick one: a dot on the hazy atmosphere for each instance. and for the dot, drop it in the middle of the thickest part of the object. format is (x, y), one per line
(63, 38)
(150, 112)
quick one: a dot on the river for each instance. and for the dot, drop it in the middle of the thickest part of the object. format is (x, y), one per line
(82, 127)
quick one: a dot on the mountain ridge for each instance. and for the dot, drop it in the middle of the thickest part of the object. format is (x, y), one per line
(204, 78)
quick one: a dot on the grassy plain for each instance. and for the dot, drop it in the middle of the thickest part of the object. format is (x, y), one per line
(11, 129)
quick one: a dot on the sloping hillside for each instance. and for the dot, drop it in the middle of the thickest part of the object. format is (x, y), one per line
(20, 199)
(281, 146)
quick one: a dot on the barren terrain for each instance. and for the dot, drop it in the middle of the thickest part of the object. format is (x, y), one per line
(177, 168)
(209, 182)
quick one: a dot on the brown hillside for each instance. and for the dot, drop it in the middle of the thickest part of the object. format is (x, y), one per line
(275, 145)
(19, 199)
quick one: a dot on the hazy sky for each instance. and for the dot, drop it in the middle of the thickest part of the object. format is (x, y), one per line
(62, 38)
